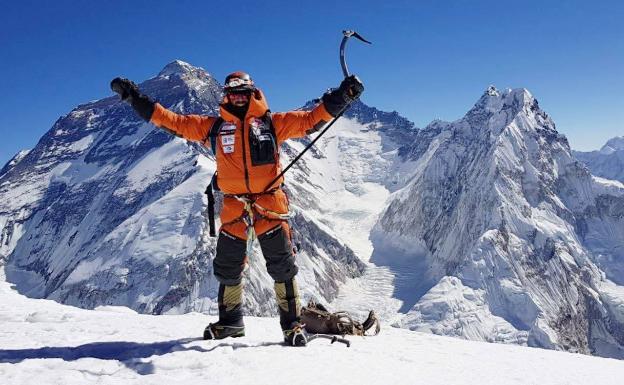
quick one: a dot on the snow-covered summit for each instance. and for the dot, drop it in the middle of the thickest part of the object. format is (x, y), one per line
(496, 109)
(613, 145)
(608, 162)
(181, 68)
(494, 100)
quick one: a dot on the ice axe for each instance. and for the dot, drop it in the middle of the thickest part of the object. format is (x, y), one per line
(345, 71)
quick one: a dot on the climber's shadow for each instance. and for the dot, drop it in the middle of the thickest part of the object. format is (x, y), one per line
(128, 353)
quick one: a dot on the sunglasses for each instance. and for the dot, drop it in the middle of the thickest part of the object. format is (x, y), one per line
(238, 92)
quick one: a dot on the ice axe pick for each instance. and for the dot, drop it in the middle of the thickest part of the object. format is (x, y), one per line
(343, 62)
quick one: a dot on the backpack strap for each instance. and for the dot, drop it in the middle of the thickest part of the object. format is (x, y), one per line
(213, 132)
(212, 136)
(211, 213)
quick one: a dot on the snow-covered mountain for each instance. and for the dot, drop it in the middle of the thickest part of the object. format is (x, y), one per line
(509, 238)
(107, 209)
(484, 228)
(608, 162)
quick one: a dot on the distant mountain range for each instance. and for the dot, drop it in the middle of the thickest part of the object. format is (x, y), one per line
(485, 228)
(608, 162)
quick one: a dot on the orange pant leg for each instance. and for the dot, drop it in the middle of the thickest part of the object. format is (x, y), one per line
(232, 211)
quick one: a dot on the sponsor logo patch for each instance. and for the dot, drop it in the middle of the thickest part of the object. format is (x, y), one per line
(228, 149)
(228, 127)
(227, 139)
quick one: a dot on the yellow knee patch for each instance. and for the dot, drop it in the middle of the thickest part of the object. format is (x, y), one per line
(282, 294)
(232, 296)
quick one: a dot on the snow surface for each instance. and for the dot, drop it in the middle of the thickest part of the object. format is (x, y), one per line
(43, 342)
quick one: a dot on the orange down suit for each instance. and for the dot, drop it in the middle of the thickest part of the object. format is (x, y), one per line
(236, 172)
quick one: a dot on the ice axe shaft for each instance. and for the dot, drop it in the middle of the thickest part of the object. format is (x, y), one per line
(343, 44)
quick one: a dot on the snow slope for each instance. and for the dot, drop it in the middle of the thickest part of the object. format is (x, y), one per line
(43, 342)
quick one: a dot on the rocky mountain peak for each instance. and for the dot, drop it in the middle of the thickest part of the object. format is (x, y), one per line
(496, 200)
(613, 145)
(608, 162)
(494, 100)
(181, 68)
(184, 88)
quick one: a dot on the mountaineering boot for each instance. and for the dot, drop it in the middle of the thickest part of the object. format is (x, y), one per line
(230, 322)
(218, 331)
(296, 335)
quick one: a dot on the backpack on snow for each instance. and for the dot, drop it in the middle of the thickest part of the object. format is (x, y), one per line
(319, 320)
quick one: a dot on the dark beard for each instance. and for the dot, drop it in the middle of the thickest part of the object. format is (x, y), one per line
(238, 111)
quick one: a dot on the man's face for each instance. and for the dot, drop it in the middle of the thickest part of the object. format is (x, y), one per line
(239, 100)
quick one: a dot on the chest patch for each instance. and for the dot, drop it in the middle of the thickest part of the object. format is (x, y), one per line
(227, 127)
(257, 126)
(227, 139)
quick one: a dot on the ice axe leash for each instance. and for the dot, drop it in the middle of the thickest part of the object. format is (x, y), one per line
(345, 71)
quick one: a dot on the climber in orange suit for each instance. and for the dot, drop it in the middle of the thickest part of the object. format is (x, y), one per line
(246, 139)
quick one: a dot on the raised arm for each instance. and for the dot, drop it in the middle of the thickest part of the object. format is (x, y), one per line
(190, 127)
(296, 124)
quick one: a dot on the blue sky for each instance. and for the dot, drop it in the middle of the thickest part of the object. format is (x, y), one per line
(430, 59)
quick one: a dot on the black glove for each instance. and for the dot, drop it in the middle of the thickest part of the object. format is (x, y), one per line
(337, 99)
(352, 86)
(125, 88)
(129, 92)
